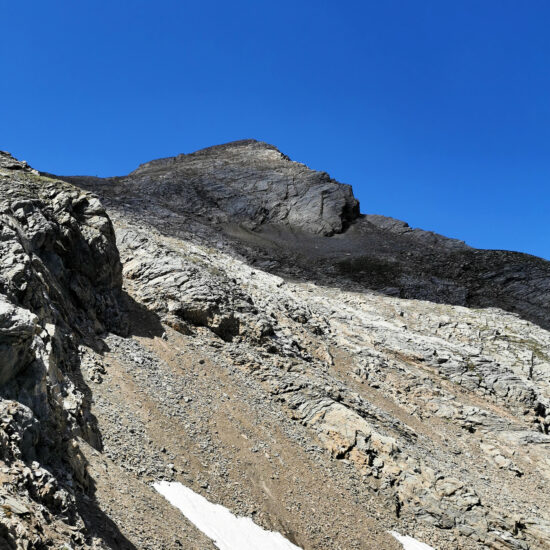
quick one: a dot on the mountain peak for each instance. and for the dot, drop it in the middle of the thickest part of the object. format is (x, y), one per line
(248, 182)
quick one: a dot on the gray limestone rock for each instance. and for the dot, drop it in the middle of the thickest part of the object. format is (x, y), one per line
(60, 283)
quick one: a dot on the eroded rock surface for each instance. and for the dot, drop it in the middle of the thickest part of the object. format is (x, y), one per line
(60, 283)
(282, 213)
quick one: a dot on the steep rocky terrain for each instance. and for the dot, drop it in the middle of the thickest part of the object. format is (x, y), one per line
(250, 334)
(60, 286)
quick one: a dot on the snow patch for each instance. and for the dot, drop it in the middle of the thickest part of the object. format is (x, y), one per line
(228, 531)
(409, 543)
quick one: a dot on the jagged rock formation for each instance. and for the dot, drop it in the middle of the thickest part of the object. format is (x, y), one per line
(284, 355)
(60, 283)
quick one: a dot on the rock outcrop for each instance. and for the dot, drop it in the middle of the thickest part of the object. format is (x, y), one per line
(60, 283)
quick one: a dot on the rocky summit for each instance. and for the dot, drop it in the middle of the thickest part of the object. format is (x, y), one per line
(229, 320)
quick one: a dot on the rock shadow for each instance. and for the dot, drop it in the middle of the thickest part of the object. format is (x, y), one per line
(46, 441)
(141, 320)
(98, 523)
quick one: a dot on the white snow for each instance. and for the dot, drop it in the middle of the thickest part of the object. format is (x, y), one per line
(228, 532)
(409, 543)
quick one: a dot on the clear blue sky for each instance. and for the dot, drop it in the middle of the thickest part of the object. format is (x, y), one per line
(437, 112)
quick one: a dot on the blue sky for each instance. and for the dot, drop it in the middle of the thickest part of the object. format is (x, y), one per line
(437, 112)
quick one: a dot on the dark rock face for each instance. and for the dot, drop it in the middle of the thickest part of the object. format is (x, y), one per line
(247, 182)
(421, 265)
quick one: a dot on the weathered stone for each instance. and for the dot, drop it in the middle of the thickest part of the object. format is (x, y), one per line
(18, 327)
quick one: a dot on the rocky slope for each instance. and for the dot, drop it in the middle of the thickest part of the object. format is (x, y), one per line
(331, 375)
